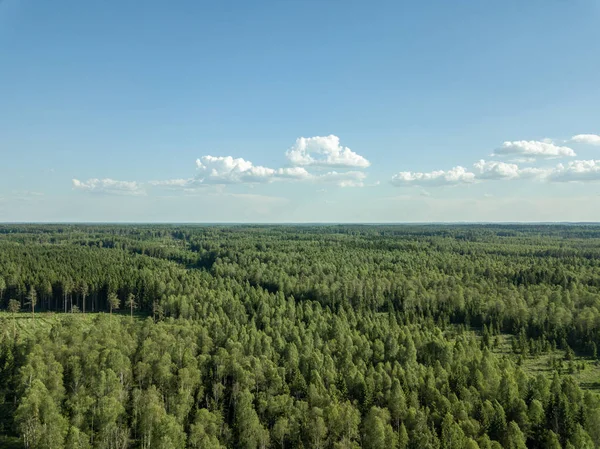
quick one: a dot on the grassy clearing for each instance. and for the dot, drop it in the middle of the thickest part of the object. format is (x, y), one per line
(586, 371)
(24, 325)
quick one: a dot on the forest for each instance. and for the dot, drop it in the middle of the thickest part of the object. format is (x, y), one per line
(299, 336)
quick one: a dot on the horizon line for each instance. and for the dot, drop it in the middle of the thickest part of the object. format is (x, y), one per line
(305, 223)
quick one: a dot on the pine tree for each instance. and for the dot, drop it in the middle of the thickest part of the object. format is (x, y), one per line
(551, 441)
(131, 303)
(514, 437)
(453, 436)
(2, 288)
(113, 301)
(13, 307)
(32, 300)
(397, 403)
(84, 290)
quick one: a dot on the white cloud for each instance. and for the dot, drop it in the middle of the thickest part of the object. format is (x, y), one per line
(342, 179)
(173, 183)
(575, 171)
(523, 160)
(222, 170)
(297, 173)
(455, 176)
(533, 148)
(583, 171)
(219, 171)
(227, 170)
(109, 186)
(324, 151)
(501, 170)
(496, 170)
(589, 139)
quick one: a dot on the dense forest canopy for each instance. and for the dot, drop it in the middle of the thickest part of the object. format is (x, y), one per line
(320, 336)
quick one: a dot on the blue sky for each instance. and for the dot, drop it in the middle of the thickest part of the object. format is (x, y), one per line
(299, 111)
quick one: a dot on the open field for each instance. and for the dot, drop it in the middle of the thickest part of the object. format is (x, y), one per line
(586, 370)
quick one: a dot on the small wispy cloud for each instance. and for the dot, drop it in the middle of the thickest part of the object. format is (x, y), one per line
(534, 149)
(341, 179)
(173, 183)
(494, 170)
(109, 186)
(588, 139)
(455, 176)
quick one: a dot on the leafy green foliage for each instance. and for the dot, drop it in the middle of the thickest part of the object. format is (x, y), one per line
(288, 337)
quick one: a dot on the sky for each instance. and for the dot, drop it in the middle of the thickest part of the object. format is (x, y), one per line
(299, 111)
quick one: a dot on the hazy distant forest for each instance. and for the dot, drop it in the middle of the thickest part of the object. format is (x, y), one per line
(326, 337)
